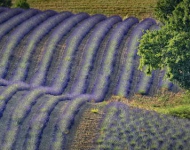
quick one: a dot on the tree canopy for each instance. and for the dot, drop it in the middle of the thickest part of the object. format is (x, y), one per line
(165, 8)
(22, 4)
(5, 3)
(169, 47)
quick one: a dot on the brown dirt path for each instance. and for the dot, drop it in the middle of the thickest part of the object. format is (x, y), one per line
(86, 128)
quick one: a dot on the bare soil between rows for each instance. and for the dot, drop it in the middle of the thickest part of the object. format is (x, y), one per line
(86, 128)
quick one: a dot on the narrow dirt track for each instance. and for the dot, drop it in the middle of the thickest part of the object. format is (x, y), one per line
(87, 129)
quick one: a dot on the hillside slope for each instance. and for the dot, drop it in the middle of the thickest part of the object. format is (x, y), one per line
(52, 64)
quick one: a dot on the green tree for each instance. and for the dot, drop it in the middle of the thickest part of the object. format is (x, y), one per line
(5, 3)
(21, 4)
(165, 8)
(178, 62)
(180, 19)
(169, 47)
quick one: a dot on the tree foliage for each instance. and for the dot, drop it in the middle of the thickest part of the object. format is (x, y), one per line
(165, 8)
(5, 3)
(21, 4)
(180, 20)
(169, 47)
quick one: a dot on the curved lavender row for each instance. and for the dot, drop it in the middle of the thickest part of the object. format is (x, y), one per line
(90, 50)
(6, 15)
(102, 81)
(15, 21)
(66, 120)
(145, 82)
(34, 39)
(128, 68)
(59, 32)
(164, 83)
(3, 9)
(8, 92)
(72, 44)
(17, 36)
(23, 109)
(29, 99)
(38, 123)
(4, 82)
(27, 102)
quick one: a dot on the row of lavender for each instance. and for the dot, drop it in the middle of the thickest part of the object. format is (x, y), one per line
(23, 125)
(102, 81)
(22, 110)
(16, 25)
(38, 24)
(123, 127)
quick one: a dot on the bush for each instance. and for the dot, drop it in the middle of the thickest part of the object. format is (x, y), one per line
(165, 8)
(180, 111)
(21, 4)
(5, 3)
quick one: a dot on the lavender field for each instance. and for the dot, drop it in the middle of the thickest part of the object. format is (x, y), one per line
(52, 64)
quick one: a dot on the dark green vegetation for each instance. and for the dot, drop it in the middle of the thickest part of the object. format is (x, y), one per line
(5, 3)
(175, 104)
(21, 4)
(164, 9)
(17, 4)
(169, 47)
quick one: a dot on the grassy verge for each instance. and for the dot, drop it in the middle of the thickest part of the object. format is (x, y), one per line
(176, 104)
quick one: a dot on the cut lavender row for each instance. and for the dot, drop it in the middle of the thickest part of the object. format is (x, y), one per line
(34, 39)
(90, 50)
(128, 68)
(72, 44)
(6, 15)
(59, 32)
(17, 36)
(15, 21)
(134, 128)
(112, 48)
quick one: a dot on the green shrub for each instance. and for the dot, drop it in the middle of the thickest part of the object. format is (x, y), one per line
(5, 3)
(169, 47)
(165, 8)
(21, 4)
(180, 111)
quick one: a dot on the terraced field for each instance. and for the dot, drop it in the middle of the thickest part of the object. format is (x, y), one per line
(54, 64)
